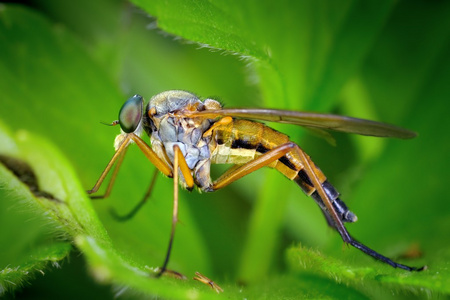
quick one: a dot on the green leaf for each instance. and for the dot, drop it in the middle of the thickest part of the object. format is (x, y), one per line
(26, 243)
(310, 35)
(381, 60)
(326, 50)
(41, 202)
(59, 195)
(302, 260)
(13, 277)
(45, 95)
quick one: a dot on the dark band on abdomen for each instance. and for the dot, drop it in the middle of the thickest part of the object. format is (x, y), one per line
(260, 148)
(341, 208)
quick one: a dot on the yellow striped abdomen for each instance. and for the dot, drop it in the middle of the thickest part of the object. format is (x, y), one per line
(241, 141)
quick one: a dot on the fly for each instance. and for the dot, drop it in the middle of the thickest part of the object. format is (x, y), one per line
(187, 135)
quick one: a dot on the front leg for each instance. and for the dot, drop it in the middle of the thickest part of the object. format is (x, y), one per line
(179, 164)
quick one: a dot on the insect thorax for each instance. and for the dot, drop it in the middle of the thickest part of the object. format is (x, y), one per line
(165, 124)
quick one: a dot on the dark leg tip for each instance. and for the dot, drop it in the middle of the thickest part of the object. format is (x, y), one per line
(159, 273)
(421, 268)
(412, 269)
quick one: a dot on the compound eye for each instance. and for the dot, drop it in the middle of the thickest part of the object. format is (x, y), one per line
(130, 115)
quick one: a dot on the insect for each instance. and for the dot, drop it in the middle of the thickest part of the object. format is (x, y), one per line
(188, 135)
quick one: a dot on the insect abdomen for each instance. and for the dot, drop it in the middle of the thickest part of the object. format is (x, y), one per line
(341, 208)
(241, 141)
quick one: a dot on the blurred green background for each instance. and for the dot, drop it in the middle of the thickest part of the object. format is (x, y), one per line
(66, 66)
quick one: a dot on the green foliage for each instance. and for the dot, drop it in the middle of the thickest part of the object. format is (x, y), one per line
(13, 277)
(66, 66)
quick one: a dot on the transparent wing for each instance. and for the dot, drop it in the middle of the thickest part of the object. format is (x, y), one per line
(313, 120)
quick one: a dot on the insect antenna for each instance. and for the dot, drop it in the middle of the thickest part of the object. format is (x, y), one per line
(113, 123)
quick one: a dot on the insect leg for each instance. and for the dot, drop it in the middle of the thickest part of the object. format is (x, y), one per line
(113, 177)
(203, 279)
(253, 165)
(140, 204)
(333, 217)
(178, 163)
(120, 151)
(118, 156)
(151, 155)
